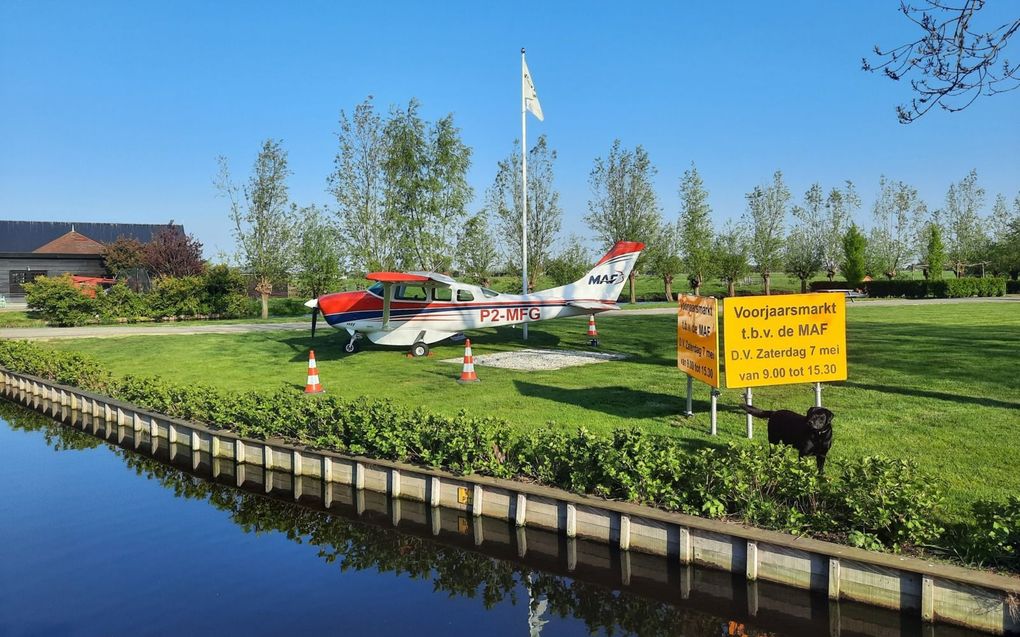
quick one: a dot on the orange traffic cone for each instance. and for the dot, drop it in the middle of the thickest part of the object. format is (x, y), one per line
(593, 334)
(312, 386)
(468, 375)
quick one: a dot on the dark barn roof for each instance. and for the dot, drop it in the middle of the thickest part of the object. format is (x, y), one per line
(26, 236)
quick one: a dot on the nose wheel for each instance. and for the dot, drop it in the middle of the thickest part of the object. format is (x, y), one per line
(351, 346)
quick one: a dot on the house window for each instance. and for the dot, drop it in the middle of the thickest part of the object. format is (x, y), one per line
(20, 277)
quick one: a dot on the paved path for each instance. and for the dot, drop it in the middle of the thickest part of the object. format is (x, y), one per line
(113, 331)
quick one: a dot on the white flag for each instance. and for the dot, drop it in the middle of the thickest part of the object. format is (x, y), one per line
(528, 90)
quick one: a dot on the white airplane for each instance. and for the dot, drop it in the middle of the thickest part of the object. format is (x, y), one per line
(416, 309)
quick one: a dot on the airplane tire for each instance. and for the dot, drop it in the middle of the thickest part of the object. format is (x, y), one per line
(351, 346)
(419, 349)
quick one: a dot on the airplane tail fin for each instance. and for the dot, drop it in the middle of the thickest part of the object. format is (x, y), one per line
(606, 279)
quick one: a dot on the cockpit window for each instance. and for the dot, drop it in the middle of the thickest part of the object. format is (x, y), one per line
(463, 296)
(442, 294)
(409, 293)
(489, 293)
(376, 289)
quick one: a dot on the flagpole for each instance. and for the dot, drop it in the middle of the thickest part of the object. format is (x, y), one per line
(524, 187)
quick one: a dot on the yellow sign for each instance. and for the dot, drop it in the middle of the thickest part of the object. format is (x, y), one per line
(778, 340)
(697, 337)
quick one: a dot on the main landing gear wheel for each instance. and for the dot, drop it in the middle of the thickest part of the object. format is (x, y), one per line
(351, 346)
(419, 349)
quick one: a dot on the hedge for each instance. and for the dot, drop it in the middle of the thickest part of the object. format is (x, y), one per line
(945, 288)
(873, 502)
(218, 293)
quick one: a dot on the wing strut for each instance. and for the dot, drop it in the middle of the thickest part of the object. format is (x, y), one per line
(386, 305)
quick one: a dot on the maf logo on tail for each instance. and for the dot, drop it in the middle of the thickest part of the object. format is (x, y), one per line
(604, 279)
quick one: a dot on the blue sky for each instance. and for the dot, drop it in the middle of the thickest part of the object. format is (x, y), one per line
(117, 111)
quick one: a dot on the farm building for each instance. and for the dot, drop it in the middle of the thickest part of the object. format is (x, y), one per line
(29, 249)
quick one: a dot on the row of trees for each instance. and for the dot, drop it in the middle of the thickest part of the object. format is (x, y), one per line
(401, 201)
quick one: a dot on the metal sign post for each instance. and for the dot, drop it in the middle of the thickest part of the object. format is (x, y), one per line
(750, 418)
(715, 403)
(690, 397)
(818, 394)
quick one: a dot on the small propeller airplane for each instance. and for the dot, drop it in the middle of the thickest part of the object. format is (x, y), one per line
(416, 309)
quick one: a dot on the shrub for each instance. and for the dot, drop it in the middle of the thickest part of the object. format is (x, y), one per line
(226, 291)
(60, 301)
(874, 502)
(178, 296)
(993, 535)
(972, 286)
(897, 289)
(120, 301)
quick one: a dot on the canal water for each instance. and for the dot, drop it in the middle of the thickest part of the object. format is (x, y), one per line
(96, 539)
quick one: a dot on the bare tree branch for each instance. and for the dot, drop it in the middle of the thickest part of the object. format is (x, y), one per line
(952, 63)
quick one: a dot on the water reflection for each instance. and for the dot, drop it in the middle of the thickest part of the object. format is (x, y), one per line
(477, 558)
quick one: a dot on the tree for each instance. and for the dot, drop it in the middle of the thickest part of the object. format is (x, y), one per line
(623, 206)
(953, 62)
(426, 187)
(170, 252)
(664, 257)
(855, 248)
(840, 207)
(1004, 249)
(544, 213)
(319, 258)
(358, 183)
(264, 225)
(571, 263)
(964, 237)
(695, 228)
(731, 254)
(898, 210)
(766, 212)
(476, 250)
(123, 254)
(934, 253)
(804, 245)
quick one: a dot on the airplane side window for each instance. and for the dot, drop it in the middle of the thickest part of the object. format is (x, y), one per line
(463, 296)
(409, 293)
(489, 293)
(442, 294)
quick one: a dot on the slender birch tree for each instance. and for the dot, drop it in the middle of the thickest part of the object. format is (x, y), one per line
(358, 184)
(503, 199)
(804, 257)
(264, 224)
(766, 214)
(623, 205)
(896, 215)
(840, 207)
(695, 228)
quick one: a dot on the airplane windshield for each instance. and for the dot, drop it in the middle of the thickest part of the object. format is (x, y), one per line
(489, 293)
(376, 289)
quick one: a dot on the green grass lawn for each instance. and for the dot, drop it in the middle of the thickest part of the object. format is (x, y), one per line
(935, 383)
(19, 318)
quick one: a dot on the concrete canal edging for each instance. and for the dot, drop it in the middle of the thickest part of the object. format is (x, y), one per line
(937, 592)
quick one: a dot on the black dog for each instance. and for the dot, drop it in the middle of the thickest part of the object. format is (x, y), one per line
(811, 435)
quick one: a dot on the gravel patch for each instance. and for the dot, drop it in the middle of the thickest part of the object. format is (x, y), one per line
(532, 360)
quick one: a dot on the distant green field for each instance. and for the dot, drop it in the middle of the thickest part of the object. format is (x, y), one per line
(936, 383)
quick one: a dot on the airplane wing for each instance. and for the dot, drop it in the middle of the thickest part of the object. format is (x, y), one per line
(595, 306)
(388, 279)
(436, 279)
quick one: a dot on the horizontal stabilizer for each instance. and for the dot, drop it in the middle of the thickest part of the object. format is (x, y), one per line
(594, 306)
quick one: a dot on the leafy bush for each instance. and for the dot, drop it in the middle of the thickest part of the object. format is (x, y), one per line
(873, 502)
(120, 301)
(971, 286)
(993, 535)
(60, 301)
(178, 296)
(897, 289)
(226, 291)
